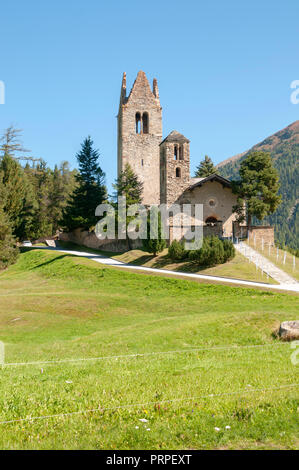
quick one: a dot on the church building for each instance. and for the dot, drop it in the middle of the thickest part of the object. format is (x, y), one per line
(163, 165)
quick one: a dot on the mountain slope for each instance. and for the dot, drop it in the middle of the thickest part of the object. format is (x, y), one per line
(284, 149)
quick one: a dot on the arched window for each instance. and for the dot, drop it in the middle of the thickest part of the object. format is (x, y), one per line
(175, 152)
(145, 123)
(178, 172)
(211, 221)
(138, 123)
(181, 152)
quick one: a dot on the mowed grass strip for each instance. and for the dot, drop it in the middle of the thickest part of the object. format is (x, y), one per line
(56, 307)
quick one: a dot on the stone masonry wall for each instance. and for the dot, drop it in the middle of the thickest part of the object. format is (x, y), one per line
(257, 232)
(172, 186)
(262, 233)
(217, 201)
(89, 239)
(141, 150)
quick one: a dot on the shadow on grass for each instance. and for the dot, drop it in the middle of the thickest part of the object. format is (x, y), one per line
(50, 261)
(75, 247)
(165, 261)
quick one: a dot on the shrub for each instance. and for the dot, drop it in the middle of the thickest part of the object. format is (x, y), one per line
(213, 251)
(177, 251)
(229, 250)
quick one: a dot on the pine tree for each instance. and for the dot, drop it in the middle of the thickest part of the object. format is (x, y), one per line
(258, 187)
(41, 181)
(17, 197)
(205, 168)
(8, 250)
(11, 144)
(156, 244)
(89, 193)
(56, 198)
(128, 185)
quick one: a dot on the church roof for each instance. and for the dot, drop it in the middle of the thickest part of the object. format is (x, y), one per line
(214, 177)
(175, 137)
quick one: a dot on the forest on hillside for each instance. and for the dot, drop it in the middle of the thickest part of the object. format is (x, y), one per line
(285, 219)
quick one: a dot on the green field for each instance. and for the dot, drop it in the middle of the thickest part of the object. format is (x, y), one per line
(194, 340)
(238, 268)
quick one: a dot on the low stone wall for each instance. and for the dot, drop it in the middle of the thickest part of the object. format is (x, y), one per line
(216, 229)
(256, 232)
(260, 233)
(89, 239)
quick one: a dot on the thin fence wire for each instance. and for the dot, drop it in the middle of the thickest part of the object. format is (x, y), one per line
(132, 405)
(154, 353)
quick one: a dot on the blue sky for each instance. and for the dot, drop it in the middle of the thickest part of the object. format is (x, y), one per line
(224, 70)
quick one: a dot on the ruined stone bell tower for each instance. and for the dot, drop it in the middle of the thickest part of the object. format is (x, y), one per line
(140, 133)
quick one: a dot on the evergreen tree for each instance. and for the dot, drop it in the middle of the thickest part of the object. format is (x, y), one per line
(284, 151)
(90, 190)
(11, 144)
(128, 185)
(17, 197)
(42, 176)
(205, 168)
(8, 250)
(156, 244)
(258, 187)
(56, 198)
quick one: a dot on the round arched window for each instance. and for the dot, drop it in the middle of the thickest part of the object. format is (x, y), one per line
(211, 221)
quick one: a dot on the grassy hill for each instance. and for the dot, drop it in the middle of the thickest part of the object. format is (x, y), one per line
(238, 268)
(284, 149)
(208, 373)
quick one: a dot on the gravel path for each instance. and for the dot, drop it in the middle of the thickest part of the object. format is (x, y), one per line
(263, 263)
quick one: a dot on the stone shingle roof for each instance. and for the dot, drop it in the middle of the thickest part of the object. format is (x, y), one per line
(175, 137)
(215, 177)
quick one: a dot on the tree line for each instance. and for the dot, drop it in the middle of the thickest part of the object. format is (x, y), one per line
(36, 201)
(32, 195)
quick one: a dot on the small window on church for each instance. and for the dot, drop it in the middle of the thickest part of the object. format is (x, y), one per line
(175, 152)
(178, 172)
(181, 152)
(138, 123)
(145, 123)
(211, 221)
(142, 162)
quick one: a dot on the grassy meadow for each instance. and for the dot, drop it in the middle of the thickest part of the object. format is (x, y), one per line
(193, 341)
(238, 268)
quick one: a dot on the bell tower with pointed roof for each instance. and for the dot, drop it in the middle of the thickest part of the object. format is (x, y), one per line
(140, 134)
(175, 167)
